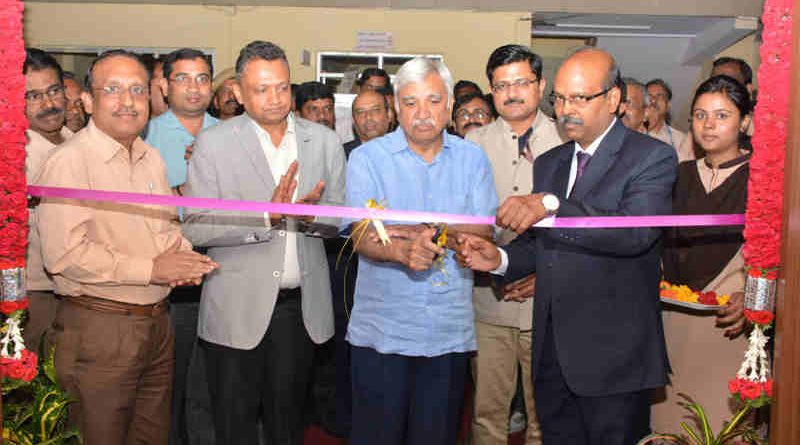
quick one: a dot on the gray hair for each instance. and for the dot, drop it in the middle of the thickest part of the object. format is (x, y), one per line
(417, 69)
(613, 76)
(630, 81)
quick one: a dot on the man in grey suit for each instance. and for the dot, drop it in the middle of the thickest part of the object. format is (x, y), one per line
(270, 300)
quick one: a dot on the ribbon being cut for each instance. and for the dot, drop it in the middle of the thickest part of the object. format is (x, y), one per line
(377, 213)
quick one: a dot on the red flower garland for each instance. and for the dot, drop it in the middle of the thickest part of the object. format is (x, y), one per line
(762, 230)
(13, 195)
(13, 186)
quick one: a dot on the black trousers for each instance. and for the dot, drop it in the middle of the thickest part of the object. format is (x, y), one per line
(343, 285)
(268, 382)
(568, 418)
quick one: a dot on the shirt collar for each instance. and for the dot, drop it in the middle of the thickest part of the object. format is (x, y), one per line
(172, 121)
(290, 125)
(538, 121)
(110, 148)
(592, 148)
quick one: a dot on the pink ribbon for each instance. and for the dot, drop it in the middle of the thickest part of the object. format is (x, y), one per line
(385, 215)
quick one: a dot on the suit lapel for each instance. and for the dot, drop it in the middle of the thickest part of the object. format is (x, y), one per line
(252, 146)
(561, 172)
(601, 162)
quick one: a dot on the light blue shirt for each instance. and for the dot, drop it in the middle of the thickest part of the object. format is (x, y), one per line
(396, 310)
(170, 138)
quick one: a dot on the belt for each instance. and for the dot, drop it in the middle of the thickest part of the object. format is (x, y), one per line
(117, 307)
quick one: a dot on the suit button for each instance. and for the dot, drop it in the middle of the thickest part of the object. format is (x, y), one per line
(282, 233)
(514, 162)
(515, 188)
(276, 274)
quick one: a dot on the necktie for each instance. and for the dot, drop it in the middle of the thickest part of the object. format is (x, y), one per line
(583, 160)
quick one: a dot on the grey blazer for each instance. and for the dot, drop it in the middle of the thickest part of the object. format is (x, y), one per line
(238, 298)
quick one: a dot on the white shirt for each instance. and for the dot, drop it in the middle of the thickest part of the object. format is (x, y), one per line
(573, 173)
(279, 159)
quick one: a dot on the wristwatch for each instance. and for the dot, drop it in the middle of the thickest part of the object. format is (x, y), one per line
(550, 203)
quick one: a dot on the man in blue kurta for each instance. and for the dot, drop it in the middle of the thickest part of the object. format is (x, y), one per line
(412, 328)
(187, 82)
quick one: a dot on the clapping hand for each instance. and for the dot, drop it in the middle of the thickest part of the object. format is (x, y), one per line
(180, 267)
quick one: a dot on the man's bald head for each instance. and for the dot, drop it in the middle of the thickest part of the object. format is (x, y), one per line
(586, 94)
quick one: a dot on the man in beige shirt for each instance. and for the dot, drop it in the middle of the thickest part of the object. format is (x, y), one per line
(503, 317)
(45, 103)
(114, 264)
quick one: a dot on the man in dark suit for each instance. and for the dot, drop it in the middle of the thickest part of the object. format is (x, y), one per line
(598, 347)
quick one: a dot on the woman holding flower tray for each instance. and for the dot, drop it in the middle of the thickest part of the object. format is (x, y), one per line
(705, 345)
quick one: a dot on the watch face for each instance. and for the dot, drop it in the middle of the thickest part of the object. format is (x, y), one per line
(550, 202)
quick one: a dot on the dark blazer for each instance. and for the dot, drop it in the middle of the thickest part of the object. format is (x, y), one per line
(600, 286)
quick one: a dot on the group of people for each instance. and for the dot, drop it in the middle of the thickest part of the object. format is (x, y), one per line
(162, 316)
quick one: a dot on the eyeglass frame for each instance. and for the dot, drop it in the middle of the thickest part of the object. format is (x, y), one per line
(578, 100)
(466, 114)
(52, 92)
(190, 80)
(145, 90)
(522, 82)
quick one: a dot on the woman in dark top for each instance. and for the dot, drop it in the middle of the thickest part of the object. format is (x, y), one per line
(705, 348)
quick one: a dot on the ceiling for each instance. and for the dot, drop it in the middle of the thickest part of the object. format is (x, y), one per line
(561, 23)
(724, 8)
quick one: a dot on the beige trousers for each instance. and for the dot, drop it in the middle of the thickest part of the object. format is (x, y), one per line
(501, 351)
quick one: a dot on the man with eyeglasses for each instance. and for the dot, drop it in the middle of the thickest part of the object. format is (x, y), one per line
(471, 111)
(658, 118)
(598, 348)
(187, 83)
(114, 264)
(44, 107)
(503, 317)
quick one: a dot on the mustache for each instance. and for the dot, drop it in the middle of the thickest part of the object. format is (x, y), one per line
(49, 112)
(231, 101)
(514, 100)
(567, 119)
(125, 112)
(473, 124)
(426, 121)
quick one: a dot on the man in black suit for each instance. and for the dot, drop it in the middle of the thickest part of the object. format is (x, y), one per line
(598, 347)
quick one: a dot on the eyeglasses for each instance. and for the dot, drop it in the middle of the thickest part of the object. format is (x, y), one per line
(54, 92)
(578, 100)
(478, 114)
(502, 87)
(118, 90)
(185, 79)
(361, 113)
